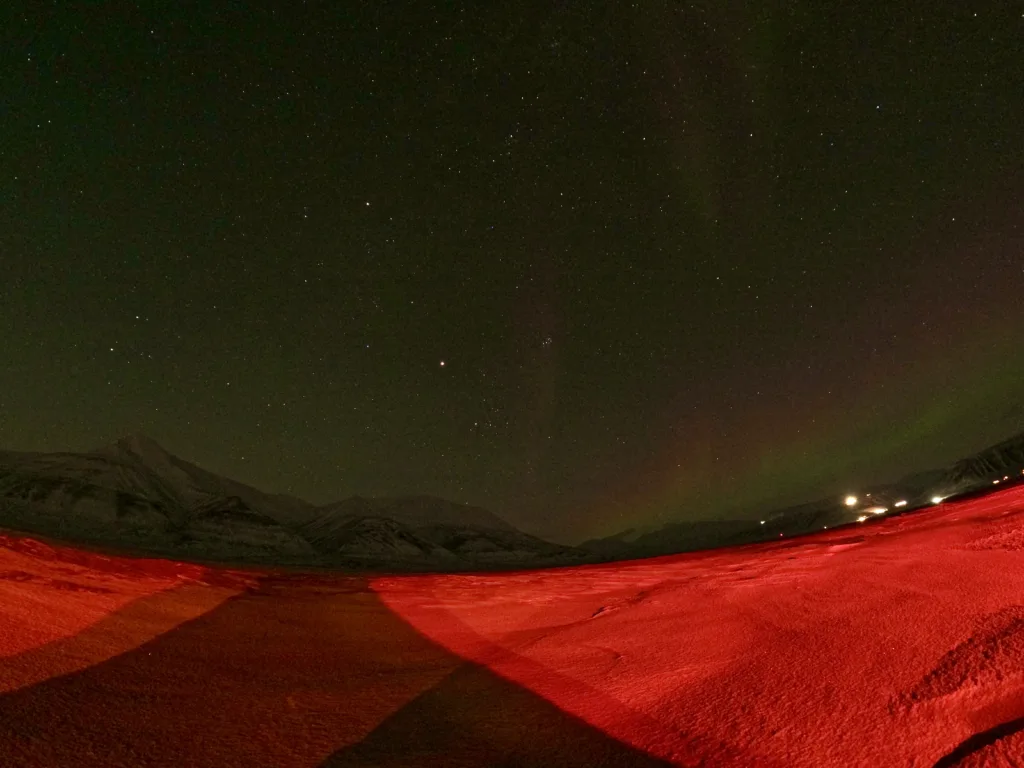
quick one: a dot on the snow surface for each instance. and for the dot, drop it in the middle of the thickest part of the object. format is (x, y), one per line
(887, 644)
(899, 642)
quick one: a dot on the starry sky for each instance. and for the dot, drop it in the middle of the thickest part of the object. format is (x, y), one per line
(591, 266)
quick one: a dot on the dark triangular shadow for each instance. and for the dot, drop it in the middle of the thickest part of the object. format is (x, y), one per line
(474, 719)
(122, 630)
(299, 672)
(280, 677)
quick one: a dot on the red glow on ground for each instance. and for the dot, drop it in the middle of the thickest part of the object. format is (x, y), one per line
(875, 645)
(896, 642)
(51, 592)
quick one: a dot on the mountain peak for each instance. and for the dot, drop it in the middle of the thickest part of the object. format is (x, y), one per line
(140, 445)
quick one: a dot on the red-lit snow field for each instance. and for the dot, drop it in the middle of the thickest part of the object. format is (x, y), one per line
(899, 642)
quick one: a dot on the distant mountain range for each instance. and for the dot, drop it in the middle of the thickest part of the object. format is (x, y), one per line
(135, 495)
(980, 472)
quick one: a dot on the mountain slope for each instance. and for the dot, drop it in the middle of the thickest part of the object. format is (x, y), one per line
(675, 537)
(191, 484)
(418, 527)
(413, 511)
(135, 494)
(1005, 459)
(975, 473)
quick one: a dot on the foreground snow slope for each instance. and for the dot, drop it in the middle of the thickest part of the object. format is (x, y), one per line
(885, 644)
(894, 643)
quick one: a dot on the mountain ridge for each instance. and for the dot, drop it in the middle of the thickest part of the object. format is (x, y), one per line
(136, 494)
(971, 474)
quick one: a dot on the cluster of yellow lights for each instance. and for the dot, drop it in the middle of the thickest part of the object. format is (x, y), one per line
(851, 501)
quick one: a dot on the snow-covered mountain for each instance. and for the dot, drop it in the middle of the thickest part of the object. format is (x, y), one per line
(193, 485)
(973, 474)
(135, 494)
(1005, 459)
(674, 537)
(414, 511)
(424, 527)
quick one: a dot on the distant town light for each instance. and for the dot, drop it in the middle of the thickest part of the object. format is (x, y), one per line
(862, 518)
(936, 499)
(878, 510)
(850, 501)
(1006, 477)
(762, 522)
(995, 482)
(900, 503)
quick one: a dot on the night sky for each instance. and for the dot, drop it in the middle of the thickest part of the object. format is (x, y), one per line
(590, 266)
